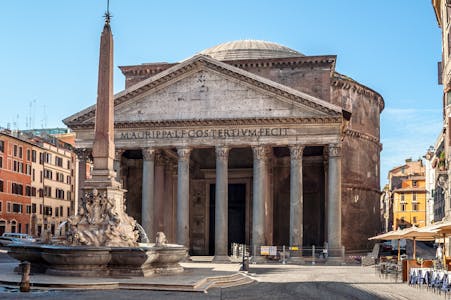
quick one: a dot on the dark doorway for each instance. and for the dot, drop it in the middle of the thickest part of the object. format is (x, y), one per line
(236, 218)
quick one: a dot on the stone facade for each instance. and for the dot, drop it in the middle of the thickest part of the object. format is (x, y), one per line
(278, 150)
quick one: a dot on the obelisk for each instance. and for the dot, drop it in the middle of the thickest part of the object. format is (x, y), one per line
(103, 147)
(103, 220)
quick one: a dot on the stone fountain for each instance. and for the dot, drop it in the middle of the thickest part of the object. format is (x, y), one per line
(102, 238)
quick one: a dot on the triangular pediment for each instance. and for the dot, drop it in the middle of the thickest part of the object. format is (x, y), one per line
(202, 88)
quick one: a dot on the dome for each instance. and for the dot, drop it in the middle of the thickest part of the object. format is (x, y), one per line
(249, 49)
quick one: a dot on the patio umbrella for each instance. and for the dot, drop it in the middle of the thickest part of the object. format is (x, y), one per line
(392, 235)
(443, 228)
(419, 234)
(411, 233)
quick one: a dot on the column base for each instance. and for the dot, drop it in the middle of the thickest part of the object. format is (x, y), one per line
(221, 259)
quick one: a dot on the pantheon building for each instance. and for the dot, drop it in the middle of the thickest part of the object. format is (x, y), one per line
(246, 142)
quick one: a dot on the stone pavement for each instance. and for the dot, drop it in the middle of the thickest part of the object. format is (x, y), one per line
(271, 281)
(197, 277)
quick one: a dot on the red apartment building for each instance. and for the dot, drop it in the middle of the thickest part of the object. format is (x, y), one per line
(15, 184)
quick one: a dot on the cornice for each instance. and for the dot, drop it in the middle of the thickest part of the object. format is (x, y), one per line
(364, 136)
(344, 82)
(283, 62)
(145, 69)
(217, 122)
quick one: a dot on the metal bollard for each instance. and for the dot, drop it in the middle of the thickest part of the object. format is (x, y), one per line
(284, 259)
(313, 254)
(25, 282)
(245, 266)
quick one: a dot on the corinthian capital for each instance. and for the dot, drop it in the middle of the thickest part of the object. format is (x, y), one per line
(148, 153)
(118, 153)
(222, 152)
(334, 150)
(296, 152)
(84, 154)
(183, 153)
(260, 152)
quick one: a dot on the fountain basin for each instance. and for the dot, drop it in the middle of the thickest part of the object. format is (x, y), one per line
(168, 259)
(136, 261)
(86, 261)
(29, 252)
(90, 261)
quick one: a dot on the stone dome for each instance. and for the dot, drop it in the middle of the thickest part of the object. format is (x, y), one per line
(249, 49)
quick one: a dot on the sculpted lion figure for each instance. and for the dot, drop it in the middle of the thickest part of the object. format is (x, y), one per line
(160, 239)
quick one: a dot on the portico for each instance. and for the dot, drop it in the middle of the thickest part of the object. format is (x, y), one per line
(199, 153)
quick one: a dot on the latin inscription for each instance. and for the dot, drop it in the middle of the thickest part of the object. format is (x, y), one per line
(203, 133)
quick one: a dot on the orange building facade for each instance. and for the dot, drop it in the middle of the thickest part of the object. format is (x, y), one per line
(410, 203)
(15, 184)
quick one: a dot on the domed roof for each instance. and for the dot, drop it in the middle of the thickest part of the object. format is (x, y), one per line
(249, 49)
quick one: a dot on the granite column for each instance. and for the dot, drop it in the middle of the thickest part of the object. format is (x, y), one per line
(182, 234)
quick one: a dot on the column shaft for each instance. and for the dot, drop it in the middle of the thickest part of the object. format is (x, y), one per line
(182, 234)
(159, 193)
(334, 197)
(296, 196)
(221, 204)
(148, 200)
(259, 188)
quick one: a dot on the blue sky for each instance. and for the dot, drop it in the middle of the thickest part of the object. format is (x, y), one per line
(49, 53)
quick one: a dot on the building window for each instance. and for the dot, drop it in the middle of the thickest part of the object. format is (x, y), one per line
(8, 207)
(13, 226)
(48, 174)
(28, 209)
(402, 198)
(33, 155)
(1, 162)
(59, 194)
(414, 197)
(2, 146)
(47, 191)
(40, 209)
(33, 191)
(57, 212)
(414, 183)
(1, 185)
(403, 207)
(59, 177)
(414, 220)
(58, 161)
(61, 211)
(28, 154)
(1, 204)
(33, 208)
(16, 188)
(33, 174)
(28, 190)
(15, 150)
(68, 211)
(415, 206)
(68, 164)
(48, 210)
(69, 195)
(41, 193)
(20, 152)
(17, 208)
